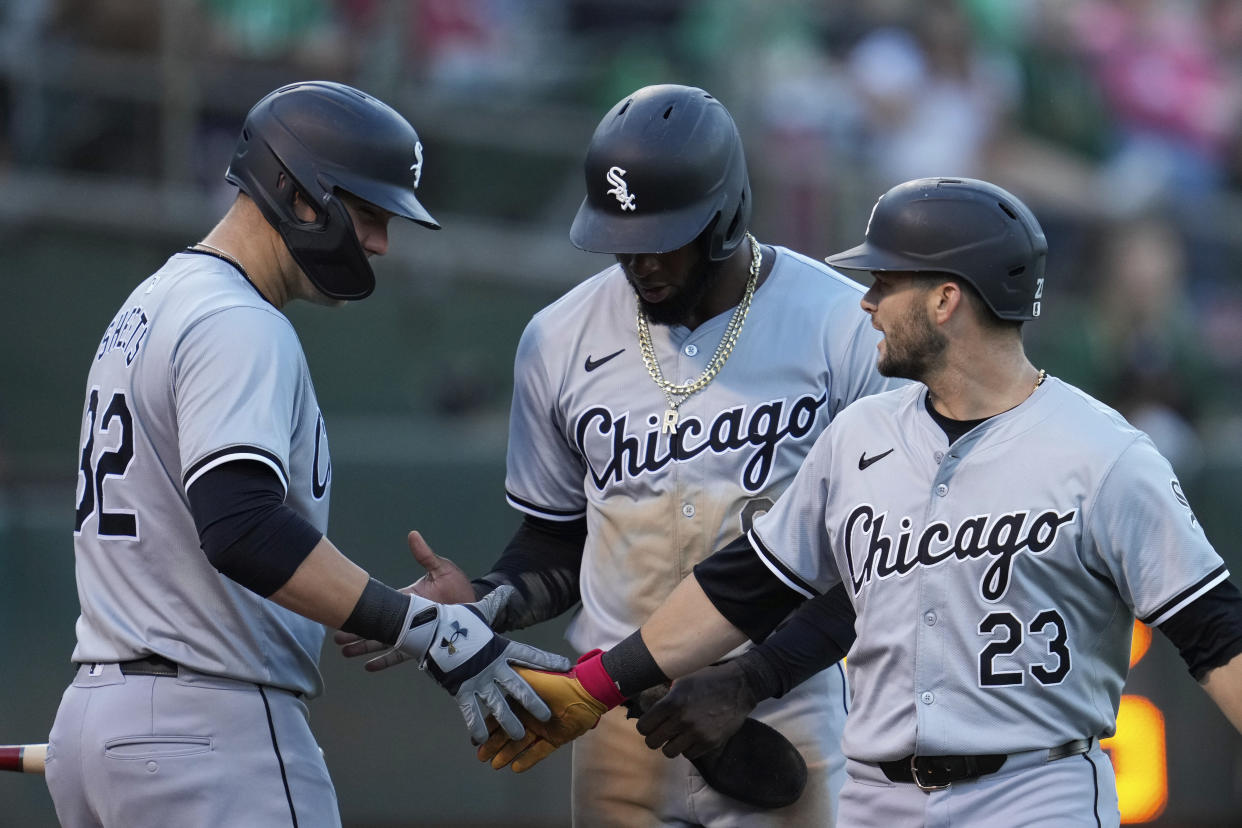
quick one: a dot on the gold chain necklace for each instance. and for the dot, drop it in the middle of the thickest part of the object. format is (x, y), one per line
(223, 255)
(676, 393)
(1039, 380)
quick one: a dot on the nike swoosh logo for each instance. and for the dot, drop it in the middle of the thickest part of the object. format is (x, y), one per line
(864, 460)
(592, 364)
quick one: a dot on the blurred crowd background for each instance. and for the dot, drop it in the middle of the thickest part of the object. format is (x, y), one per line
(1118, 121)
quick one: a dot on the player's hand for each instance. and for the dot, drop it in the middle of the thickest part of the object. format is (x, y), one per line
(444, 583)
(577, 698)
(704, 716)
(699, 713)
(466, 658)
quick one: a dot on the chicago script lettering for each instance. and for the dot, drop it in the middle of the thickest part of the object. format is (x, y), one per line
(870, 552)
(631, 455)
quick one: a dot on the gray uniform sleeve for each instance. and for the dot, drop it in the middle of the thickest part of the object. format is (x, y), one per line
(1144, 535)
(544, 472)
(791, 538)
(236, 380)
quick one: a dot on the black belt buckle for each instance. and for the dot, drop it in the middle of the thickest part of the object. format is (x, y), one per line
(935, 773)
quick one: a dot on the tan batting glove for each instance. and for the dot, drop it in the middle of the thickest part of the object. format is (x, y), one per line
(577, 699)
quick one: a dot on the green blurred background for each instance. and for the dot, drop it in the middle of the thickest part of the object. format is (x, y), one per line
(1117, 121)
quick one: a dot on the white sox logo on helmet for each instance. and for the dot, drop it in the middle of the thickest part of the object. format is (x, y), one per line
(417, 166)
(1002, 537)
(619, 188)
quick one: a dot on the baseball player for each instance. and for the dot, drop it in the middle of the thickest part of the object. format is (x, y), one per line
(659, 407)
(997, 531)
(203, 571)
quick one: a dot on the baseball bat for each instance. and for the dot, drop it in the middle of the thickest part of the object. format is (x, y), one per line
(23, 758)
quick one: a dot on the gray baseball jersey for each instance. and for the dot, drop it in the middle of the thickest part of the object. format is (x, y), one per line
(586, 439)
(996, 580)
(585, 428)
(195, 370)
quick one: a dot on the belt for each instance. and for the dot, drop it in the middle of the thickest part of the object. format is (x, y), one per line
(152, 665)
(932, 773)
(157, 665)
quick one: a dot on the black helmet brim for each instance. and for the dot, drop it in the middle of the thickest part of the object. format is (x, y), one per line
(396, 200)
(598, 231)
(867, 257)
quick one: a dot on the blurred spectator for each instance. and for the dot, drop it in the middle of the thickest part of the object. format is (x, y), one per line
(624, 46)
(68, 112)
(1224, 22)
(1171, 91)
(121, 25)
(1134, 342)
(21, 29)
(304, 33)
(933, 101)
(771, 63)
(486, 45)
(1061, 101)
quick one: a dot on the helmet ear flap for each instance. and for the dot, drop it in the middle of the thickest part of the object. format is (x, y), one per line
(723, 244)
(329, 248)
(286, 192)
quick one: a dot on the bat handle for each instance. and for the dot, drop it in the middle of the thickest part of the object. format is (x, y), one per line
(23, 758)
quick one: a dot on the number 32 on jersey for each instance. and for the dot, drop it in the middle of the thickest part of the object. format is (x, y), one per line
(107, 450)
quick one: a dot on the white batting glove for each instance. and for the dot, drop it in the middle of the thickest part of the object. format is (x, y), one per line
(456, 646)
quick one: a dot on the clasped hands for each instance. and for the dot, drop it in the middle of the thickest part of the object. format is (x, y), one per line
(455, 644)
(696, 716)
(555, 703)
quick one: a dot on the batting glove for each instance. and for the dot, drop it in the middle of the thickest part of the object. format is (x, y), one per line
(577, 698)
(444, 582)
(454, 643)
(699, 714)
(705, 717)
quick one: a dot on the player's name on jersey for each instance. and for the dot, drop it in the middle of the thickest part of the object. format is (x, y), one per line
(126, 332)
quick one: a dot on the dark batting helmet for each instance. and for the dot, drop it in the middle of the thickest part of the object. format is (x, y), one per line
(317, 138)
(969, 228)
(665, 165)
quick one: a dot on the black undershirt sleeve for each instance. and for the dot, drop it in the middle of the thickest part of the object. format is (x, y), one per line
(244, 527)
(809, 636)
(814, 637)
(541, 562)
(745, 591)
(1208, 631)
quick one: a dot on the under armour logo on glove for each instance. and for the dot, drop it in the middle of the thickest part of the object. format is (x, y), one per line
(455, 644)
(458, 632)
(619, 188)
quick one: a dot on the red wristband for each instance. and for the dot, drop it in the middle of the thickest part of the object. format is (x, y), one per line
(595, 680)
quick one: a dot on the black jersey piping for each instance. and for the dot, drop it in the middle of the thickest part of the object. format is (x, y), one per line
(1095, 781)
(225, 452)
(543, 511)
(236, 267)
(284, 777)
(794, 579)
(1184, 594)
